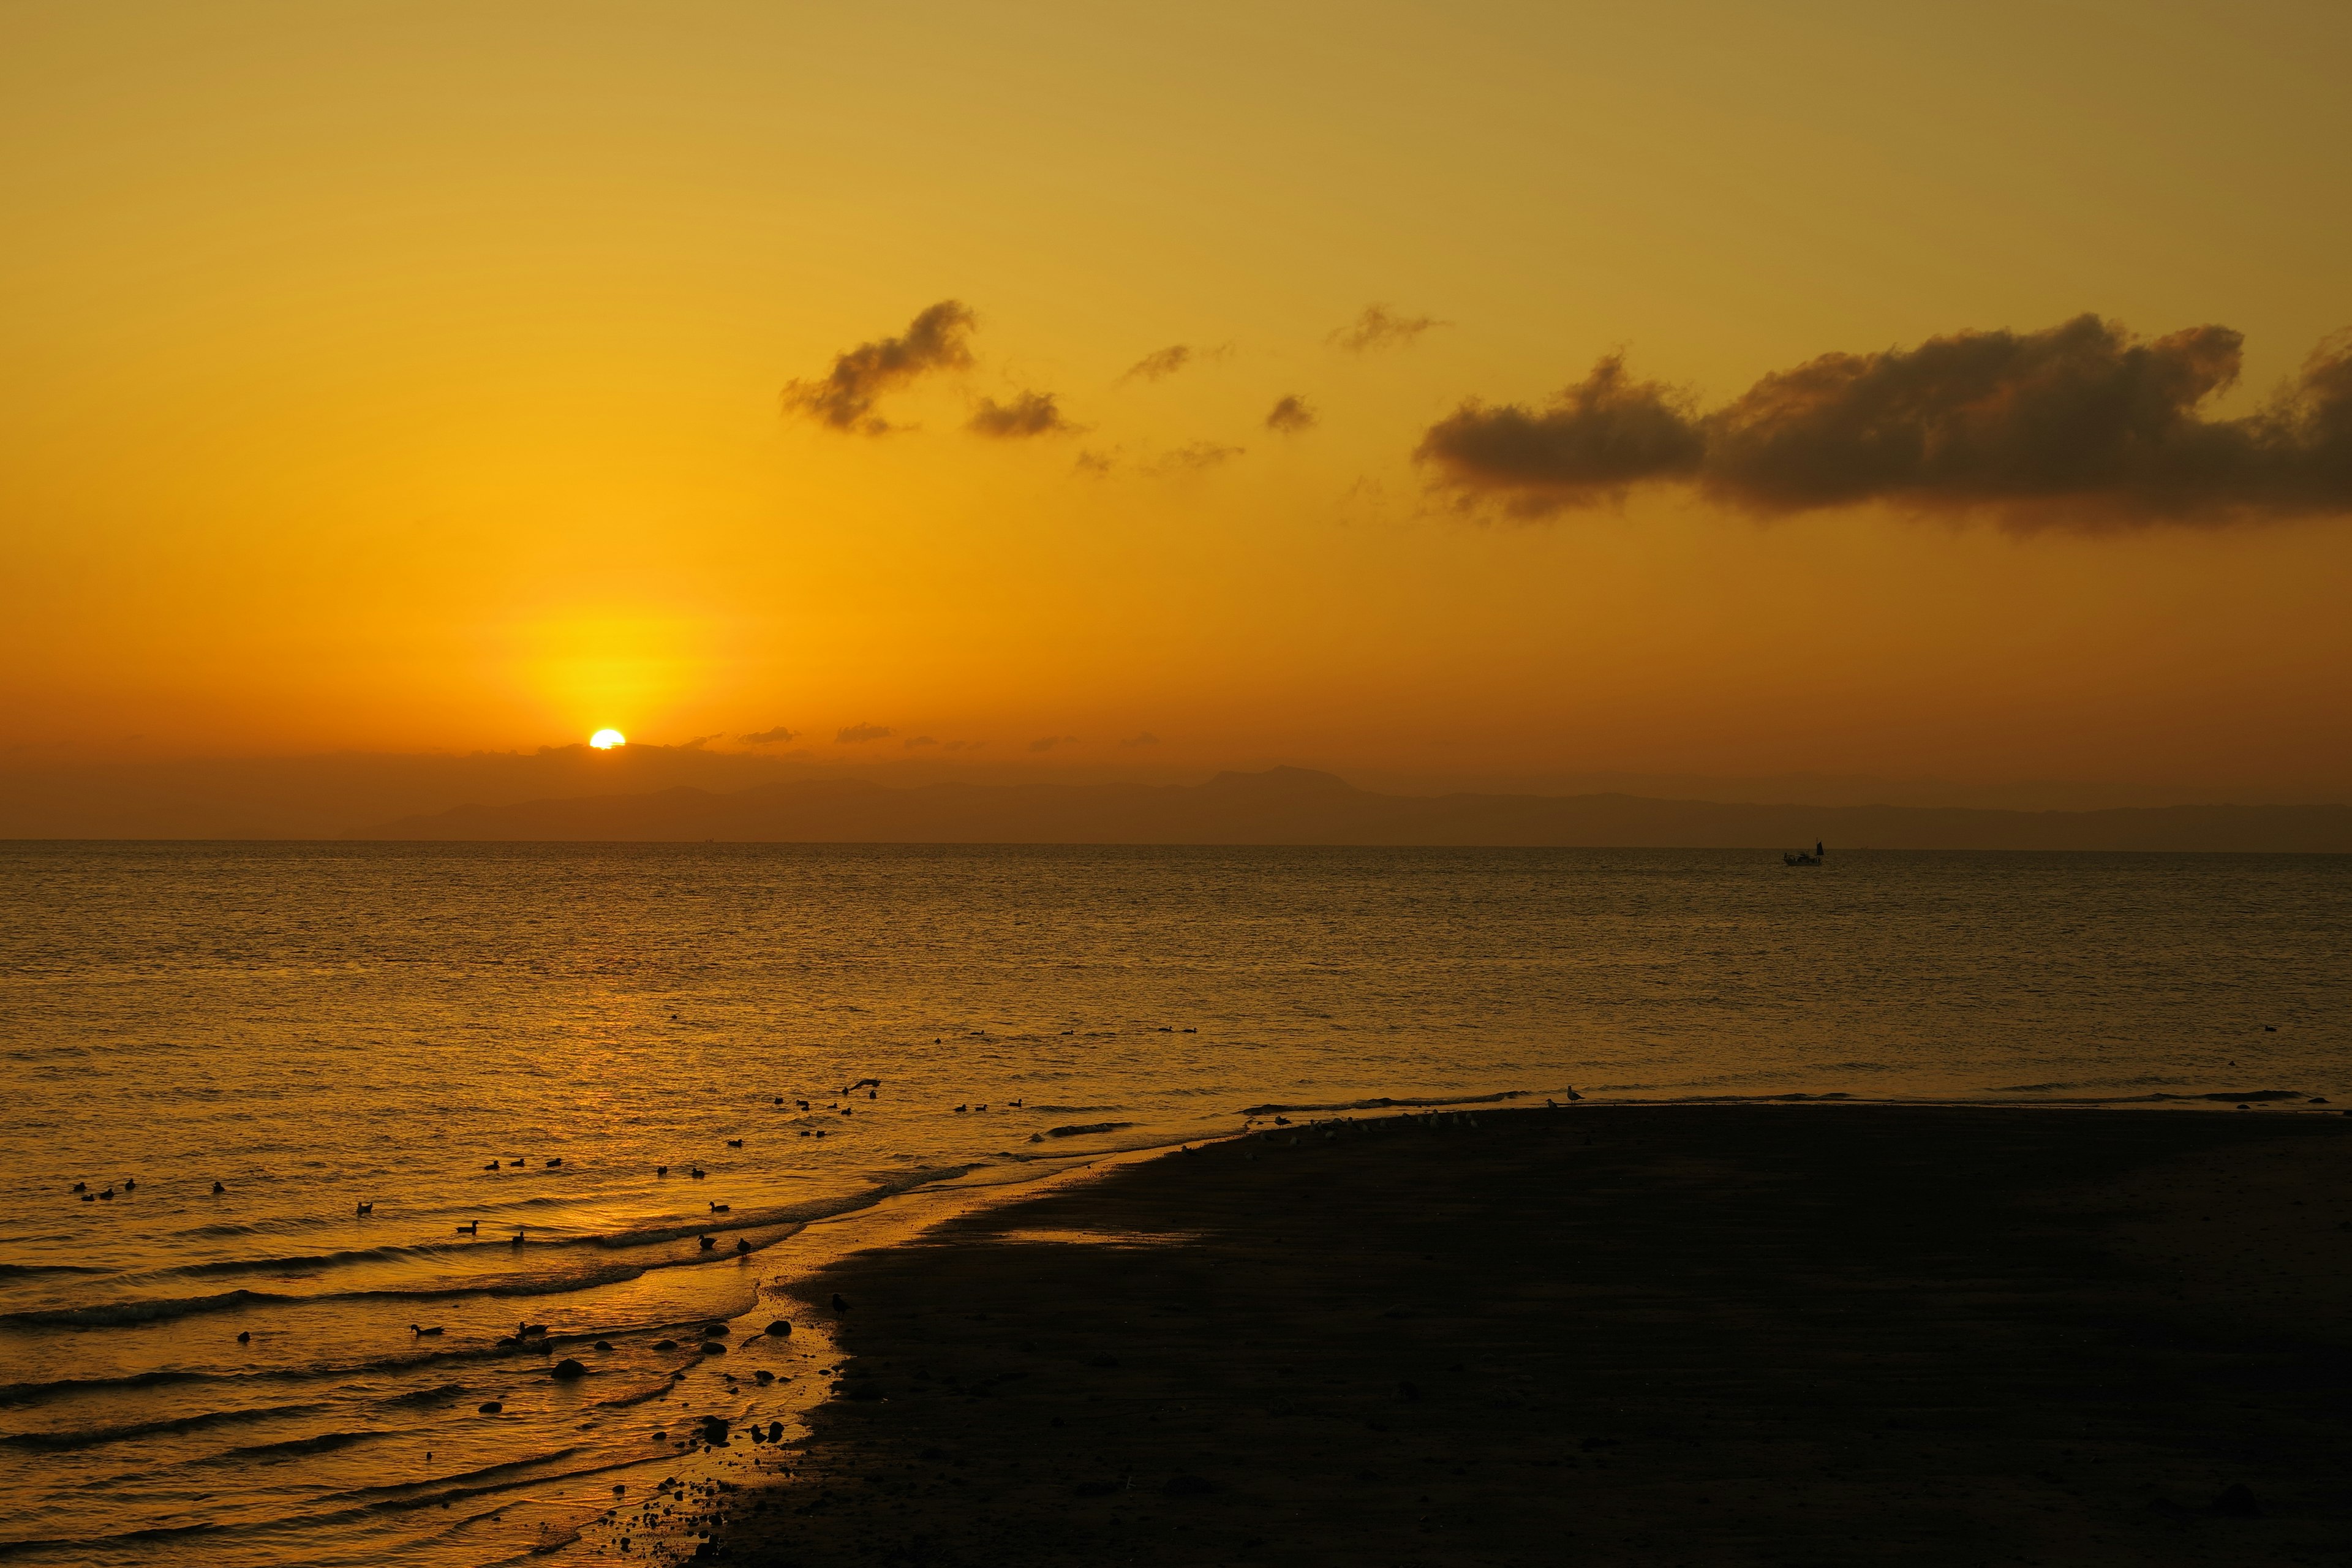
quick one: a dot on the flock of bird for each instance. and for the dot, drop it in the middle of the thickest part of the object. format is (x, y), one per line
(363, 1209)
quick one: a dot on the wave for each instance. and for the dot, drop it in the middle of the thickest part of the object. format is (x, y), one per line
(2249, 1094)
(793, 1216)
(316, 1261)
(1385, 1103)
(34, 1393)
(54, 1442)
(94, 1545)
(295, 1447)
(114, 1314)
(34, 1271)
(441, 1394)
(505, 1471)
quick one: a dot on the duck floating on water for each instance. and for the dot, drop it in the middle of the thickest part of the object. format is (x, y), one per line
(415, 1329)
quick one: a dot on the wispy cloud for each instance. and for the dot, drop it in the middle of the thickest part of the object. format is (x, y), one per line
(1029, 414)
(843, 399)
(1290, 416)
(1047, 743)
(2077, 425)
(1380, 328)
(1142, 738)
(1159, 364)
(775, 737)
(920, 741)
(858, 735)
(1192, 459)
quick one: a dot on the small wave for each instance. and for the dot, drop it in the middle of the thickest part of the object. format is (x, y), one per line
(34, 1393)
(425, 1397)
(113, 1314)
(94, 1546)
(31, 1270)
(1081, 1128)
(1384, 1102)
(626, 1400)
(54, 1442)
(294, 1447)
(474, 1479)
(313, 1261)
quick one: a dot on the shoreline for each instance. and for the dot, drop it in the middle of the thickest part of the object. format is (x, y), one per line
(1735, 1331)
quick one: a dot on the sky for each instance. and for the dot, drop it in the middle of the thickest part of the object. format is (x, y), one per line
(1465, 393)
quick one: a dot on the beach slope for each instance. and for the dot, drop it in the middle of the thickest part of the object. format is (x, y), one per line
(1712, 1334)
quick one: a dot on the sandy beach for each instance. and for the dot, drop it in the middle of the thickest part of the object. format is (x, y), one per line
(1785, 1333)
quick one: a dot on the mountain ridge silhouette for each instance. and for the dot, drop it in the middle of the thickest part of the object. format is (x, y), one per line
(1287, 805)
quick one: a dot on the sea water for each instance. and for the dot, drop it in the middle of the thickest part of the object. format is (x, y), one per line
(519, 1038)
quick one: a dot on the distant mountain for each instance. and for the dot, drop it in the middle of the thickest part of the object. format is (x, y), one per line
(1297, 806)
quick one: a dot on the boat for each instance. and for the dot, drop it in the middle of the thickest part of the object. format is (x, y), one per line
(1799, 858)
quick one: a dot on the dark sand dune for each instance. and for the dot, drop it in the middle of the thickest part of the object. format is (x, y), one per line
(1725, 1334)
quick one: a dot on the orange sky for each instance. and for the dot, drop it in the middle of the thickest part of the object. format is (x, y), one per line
(410, 378)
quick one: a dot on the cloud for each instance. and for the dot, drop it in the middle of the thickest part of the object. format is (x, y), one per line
(1290, 416)
(2080, 425)
(845, 398)
(1602, 436)
(1047, 743)
(964, 745)
(1029, 414)
(856, 734)
(920, 741)
(1095, 464)
(1192, 459)
(1142, 738)
(775, 737)
(1160, 363)
(1380, 328)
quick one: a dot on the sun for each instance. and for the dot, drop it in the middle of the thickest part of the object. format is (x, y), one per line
(605, 739)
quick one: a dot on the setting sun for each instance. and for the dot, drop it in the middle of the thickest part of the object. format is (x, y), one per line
(605, 739)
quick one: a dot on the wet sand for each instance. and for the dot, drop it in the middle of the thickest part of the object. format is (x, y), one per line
(1720, 1334)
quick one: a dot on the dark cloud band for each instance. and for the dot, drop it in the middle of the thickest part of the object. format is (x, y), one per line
(2081, 425)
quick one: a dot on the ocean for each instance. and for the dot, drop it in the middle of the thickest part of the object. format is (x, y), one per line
(833, 1041)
